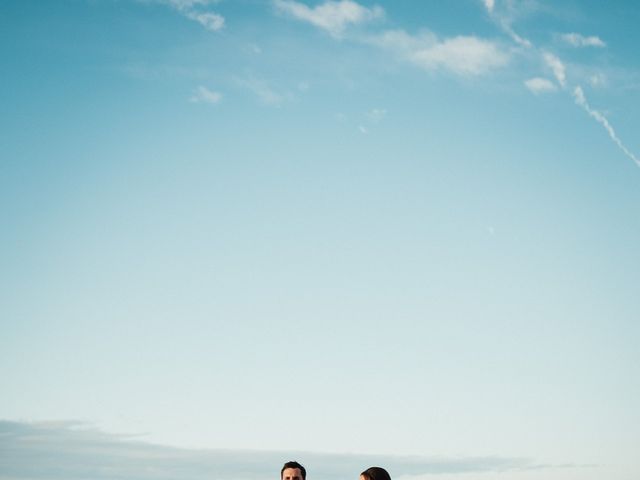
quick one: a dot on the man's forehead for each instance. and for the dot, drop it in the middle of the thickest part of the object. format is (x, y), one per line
(292, 472)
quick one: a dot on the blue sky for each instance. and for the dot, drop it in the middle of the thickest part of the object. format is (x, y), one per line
(403, 229)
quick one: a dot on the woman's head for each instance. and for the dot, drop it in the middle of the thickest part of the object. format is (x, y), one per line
(375, 473)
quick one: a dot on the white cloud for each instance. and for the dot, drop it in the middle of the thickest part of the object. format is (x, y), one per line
(557, 67)
(209, 20)
(332, 16)
(188, 4)
(193, 10)
(204, 95)
(363, 129)
(489, 4)
(540, 85)
(578, 95)
(463, 55)
(577, 40)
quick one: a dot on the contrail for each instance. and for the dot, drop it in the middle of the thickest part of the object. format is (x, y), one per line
(581, 100)
(559, 72)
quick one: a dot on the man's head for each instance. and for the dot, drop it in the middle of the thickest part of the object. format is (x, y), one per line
(293, 471)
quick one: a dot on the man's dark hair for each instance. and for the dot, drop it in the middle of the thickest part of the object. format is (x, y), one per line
(293, 464)
(375, 473)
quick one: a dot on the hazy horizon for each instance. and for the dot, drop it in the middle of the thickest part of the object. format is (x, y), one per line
(75, 449)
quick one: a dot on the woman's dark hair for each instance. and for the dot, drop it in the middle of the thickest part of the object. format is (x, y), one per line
(375, 473)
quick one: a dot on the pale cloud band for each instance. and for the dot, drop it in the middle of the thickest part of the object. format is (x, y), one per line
(73, 451)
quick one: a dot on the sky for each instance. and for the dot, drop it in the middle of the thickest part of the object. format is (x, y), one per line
(236, 232)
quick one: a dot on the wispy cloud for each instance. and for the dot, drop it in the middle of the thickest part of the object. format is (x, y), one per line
(462, 55)
(196, 10)
(579, 96)
(204, 95)
(261, 88)
(209, 20)
(577, 40)
(540, 85)
(598, 80)
(489, 5)
(331, 16)
(523, 42)
(376, 115)
(186, 4)
(504, 19)
(557, 67)
(74, 451)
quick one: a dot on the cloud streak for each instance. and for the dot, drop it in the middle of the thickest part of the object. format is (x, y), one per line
(539, 85)
(74, 451)
(557, 67)
(578, 95)
(504, 22)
